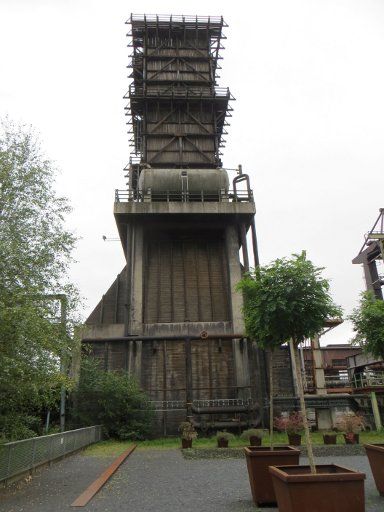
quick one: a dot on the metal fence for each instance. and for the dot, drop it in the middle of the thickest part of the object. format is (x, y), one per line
(20, 456)
(166, 196)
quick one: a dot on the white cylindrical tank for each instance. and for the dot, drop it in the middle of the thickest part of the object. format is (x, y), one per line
(181, 180)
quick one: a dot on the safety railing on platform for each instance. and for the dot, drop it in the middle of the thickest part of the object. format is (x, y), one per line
(18, 457)
(221, 196)
(149, 19)
(171, 91)
(374, 380)
(331, 382)
(161, 405)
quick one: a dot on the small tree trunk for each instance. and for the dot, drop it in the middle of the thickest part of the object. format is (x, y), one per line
(300, 389)
(271, 399)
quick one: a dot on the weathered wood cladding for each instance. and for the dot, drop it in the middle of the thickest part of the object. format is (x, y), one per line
(186, 278)
(111, 309)
(174, 70)
(282, 373)
(163, 370)
(163, 374)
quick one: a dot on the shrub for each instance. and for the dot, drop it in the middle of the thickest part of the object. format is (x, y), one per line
(351, 423)
(228, 436)
(253, 432)
(291, 424)
(187, 431)
(112, 399)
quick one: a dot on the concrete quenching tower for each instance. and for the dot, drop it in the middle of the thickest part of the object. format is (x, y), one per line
(172, 317)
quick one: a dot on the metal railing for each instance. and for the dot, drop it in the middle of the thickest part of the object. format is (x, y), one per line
(221, 196)
(161, 405)
(18, 457)
(148, 19)
(373, 380)
(172, 91)
(331, 381)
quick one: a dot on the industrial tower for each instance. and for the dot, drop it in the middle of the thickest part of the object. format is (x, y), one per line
(173, 316)
(371, 255)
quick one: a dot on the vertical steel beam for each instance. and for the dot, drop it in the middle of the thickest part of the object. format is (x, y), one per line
(254, 243)
(243, 237)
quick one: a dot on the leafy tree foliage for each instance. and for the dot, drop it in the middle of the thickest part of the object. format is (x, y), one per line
(288, 301)
(112, 399)
(35, 251)
(368, 321)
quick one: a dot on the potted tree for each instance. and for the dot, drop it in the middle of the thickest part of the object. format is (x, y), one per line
(223, 439)
(351, 425)
(187, 434)
(368, 322)
(292, 425)
(296, 305)
(254, 436)
(261, 327)
(330, 437)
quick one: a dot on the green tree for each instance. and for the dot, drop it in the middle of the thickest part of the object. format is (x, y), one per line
(368, 322)
(288, 301)
(113, 399)
(35, 251)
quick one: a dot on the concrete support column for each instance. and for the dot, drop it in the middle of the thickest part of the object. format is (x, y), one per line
(318, 366)
(239, 347)
(323, 416)
(137, 297)
(137, 281)
(376, 412)
(134, 315)
(127, 311)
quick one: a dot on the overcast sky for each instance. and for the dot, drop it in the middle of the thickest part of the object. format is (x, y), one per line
(308, 120)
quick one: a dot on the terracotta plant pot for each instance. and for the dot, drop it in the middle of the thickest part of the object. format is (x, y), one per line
(294, 439)
(186, 443)
(351, 438)
(255, 441)
(332, 489)
(258, 461)
(375, 454)
(222, 443)
(329, 438)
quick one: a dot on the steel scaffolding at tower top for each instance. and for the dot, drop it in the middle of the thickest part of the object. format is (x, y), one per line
(177, 111)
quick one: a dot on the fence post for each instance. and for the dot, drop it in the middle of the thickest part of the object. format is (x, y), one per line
(9, 461)
(33, 452)
(51, 450)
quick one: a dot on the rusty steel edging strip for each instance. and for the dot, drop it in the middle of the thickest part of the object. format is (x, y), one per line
(95, 486)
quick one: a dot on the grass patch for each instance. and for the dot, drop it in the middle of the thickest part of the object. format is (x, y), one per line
(113, 448)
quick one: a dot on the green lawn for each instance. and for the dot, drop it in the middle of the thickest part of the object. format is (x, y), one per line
(111, 447)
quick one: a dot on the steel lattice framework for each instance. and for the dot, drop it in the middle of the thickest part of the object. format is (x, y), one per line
(177, 111)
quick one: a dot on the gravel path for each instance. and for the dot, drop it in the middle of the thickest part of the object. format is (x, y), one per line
(156, 480)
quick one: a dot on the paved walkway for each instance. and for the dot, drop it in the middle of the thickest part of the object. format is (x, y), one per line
(155, 480)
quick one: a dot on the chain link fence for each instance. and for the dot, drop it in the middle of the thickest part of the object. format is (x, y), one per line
(18, 457)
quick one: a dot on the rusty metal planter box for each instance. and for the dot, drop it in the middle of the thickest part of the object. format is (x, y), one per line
(333, 489)
(258, 461)
(375, 454)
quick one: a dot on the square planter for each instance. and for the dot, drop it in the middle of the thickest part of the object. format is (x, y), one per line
(333, 489)
(351, 438)
(330, 438)
(294, 439)
(186, 443)
(258, 461)
(375, 454)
